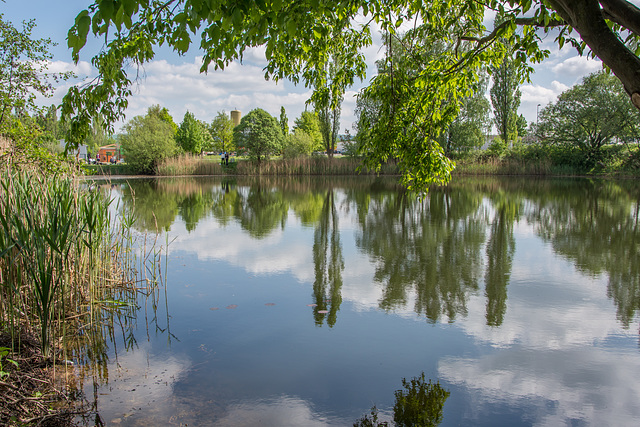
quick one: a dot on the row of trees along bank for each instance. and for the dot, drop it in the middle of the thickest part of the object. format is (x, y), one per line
(147, 141)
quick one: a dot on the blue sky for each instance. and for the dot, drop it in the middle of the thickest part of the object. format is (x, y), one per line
(175, 82)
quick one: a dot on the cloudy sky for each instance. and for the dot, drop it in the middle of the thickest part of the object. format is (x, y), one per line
(175, 82)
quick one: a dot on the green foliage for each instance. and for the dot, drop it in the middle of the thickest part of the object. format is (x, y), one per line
(97, 137)
(308, 123)
(52, 128)
(400, 126)
(420, 403)
(303, 37)
(191, 135)
(163, 114)
(221, 131)
(497, 147)
(505, 98)
(258, 135)
(468, 129)
(28, 149)
(589, 116)
(23, 68)
(284, 122)
(146, 141)
(365, 421)
(328, 102)
(298, 143)
(522, 126)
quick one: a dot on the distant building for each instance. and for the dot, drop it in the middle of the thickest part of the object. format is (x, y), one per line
(81, 153)
(108, 152)
(236, 115)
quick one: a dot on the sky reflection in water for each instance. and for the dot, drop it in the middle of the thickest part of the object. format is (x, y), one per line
(303, 303)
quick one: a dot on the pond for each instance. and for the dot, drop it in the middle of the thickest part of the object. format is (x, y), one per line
(307, 301)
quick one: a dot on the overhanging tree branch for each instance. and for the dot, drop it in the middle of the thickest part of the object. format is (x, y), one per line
(623, 13)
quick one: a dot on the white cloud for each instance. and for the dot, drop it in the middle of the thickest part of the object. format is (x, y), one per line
(81, 69)
(577, 67)
(281, 411)
(537, 94)
(181, 87)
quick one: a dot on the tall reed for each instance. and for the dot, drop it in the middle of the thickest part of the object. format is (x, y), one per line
(314, 165)
(189, 165)
(65, 263)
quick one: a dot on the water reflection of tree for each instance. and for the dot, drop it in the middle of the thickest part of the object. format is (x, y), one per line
(419, 403)
(431, 247)
(154, 209)
(158, 202)
(226, 203)
(595, 225)
(500, 250)
(328, 263)
(261, 210)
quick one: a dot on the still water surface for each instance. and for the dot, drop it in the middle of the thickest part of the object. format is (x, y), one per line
(305, 302)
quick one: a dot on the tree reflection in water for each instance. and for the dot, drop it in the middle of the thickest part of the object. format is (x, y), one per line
(430, 247)
(431, 253)
(328, 264)
(420, 403)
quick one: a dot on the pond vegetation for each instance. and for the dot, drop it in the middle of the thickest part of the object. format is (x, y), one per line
(71, 269)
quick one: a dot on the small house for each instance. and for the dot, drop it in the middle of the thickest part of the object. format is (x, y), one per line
(108, 152)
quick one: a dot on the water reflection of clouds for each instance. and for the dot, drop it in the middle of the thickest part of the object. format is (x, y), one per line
(582, 384)
(139, 382)
(550, 305)
(280, 252)
(278, 412)
(276, 253)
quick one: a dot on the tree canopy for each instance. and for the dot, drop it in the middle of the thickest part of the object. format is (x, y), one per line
(191, 134)
(258, 135)
(300, 36)
(221, 130)
(308, 123)
(147, 140)
(23, 68)
(589, 116)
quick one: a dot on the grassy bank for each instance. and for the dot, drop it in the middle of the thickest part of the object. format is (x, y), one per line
(613, 160)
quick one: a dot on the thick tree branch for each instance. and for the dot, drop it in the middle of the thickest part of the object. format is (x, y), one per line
(622, 12)
(587, 19)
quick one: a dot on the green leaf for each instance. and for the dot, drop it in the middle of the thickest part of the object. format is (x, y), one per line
(106, 8)
(84, 23)
(292, 28)
(130, 6)
(119, 18)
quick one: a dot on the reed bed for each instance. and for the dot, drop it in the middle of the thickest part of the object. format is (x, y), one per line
(189, 165)
(498, 166)
(70, 271)
(314, 165)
